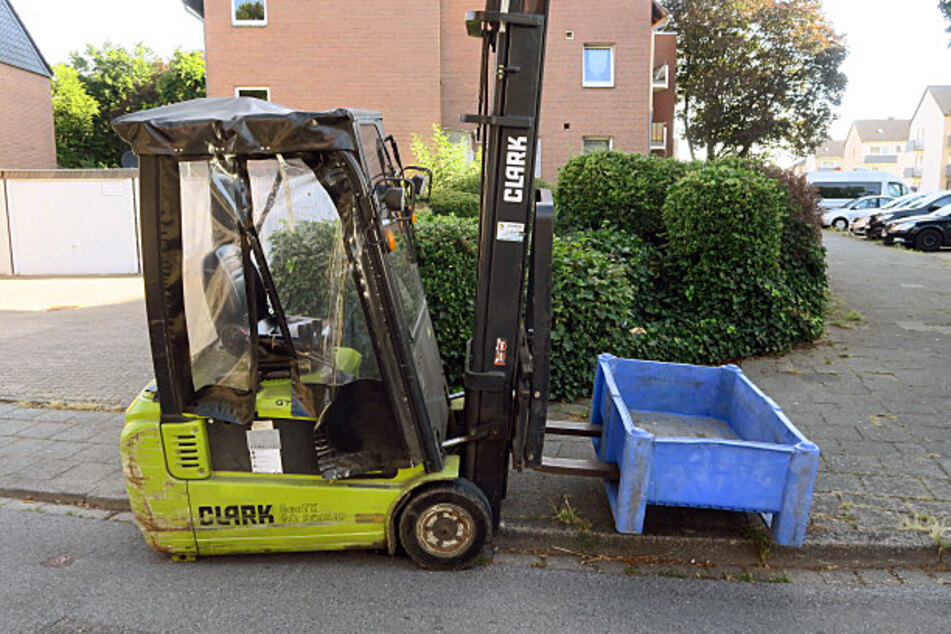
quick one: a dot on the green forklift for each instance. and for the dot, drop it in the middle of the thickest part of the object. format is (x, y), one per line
(299, 401)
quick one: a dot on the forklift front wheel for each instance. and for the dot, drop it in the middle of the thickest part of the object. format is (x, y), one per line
(444, 527)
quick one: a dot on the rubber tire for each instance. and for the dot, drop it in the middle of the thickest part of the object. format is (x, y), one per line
(840, 224)
(457, 496)
(928, 240)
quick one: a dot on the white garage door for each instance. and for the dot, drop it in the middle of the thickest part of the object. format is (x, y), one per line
(73, 227)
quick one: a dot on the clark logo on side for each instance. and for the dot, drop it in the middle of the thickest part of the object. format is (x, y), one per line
(516, 160)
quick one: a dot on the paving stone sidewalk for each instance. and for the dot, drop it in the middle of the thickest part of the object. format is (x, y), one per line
(872, 394)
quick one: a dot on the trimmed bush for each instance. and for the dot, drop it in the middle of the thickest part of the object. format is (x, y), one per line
(447, 248)
(601, 283)
(600, 280)
(470, 183)
(450, 202)
(724, 228)
(617, 190)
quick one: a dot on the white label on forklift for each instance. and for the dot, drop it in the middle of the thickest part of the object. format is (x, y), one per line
(510, 232)
(264, 446)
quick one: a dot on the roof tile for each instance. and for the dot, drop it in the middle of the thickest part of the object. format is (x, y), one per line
(16, 46)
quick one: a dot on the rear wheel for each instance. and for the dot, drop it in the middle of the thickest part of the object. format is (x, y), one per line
(444, 527)
(841, 224)
(928, 240)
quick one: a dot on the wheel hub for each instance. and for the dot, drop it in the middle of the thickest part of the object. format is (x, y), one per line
(445, 530)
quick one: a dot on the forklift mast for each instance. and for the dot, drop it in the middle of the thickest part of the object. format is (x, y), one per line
(506, 375)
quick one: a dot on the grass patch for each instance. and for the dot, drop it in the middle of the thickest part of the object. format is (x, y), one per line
(761, 543)
(935, 528)
(838, 314)
(569, 516)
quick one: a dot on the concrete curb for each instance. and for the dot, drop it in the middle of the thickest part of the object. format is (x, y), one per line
(525, 536)
(520, 535)
(106, 503)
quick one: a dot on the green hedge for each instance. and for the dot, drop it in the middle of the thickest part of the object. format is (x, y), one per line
(599, 279)
(741, 272)
(617, 190)
(723, 227)
(447, 248)
(451, 202)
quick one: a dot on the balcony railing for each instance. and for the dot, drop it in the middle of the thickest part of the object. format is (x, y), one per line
(661, 78)
(912, 172)
(658, 136)
(881, 158)
(915, 145)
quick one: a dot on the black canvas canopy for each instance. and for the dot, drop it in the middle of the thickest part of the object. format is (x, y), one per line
(235, 125)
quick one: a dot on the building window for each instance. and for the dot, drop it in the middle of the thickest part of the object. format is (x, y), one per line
(598, 66)
(249, 12)
(591, 144)
(257, 93)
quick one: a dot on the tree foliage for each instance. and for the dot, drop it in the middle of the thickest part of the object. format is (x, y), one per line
(75, 113)
(103, 83)
(452, 162)
(756, 74)
(945, 6)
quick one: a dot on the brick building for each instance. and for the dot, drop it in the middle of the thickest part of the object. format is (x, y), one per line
(27, 138)
(605, 86)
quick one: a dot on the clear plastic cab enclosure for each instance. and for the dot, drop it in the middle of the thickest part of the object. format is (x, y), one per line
(278, 252)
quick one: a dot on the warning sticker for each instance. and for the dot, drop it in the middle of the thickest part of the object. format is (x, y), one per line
(264, 447)
(510, 232)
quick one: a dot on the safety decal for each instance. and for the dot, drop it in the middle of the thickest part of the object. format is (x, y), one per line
(501, 351)
(510, 232)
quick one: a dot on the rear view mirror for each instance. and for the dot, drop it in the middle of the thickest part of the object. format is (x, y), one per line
(395, 199)
(421, 180)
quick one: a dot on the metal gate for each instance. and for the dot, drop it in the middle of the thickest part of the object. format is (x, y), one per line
(71, 222)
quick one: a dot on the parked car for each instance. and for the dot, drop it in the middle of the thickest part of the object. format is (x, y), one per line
(931, 202)
(838, 188)
(842, 217)
(860, 224)
(928, 233)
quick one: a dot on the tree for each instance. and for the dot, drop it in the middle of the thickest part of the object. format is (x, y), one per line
(945, 6)
(104, 83)
(75, 113)
(184, 78)
(756, 74)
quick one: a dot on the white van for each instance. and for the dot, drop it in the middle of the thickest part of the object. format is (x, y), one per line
(838, 188)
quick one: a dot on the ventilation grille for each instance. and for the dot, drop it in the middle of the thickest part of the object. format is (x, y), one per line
(186, 450)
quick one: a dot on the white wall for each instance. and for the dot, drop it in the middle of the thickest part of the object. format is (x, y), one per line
(930, 126)
(66, 222)
(6, 264)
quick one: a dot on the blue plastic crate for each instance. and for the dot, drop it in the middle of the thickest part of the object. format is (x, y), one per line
(685, 435)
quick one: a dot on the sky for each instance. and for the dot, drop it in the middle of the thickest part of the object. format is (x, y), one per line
(897, 47)
(61, 26)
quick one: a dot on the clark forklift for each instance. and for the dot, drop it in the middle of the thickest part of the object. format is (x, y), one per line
(299, 400)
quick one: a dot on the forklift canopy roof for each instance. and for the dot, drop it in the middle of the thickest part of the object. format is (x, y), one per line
(237, 125)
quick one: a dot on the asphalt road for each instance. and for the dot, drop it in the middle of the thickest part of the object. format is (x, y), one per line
(71, 574)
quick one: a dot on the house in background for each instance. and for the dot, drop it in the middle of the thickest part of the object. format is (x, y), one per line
(607, 86)
(929, 142)
(877, 145)
(827, 157)
(27, 138)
